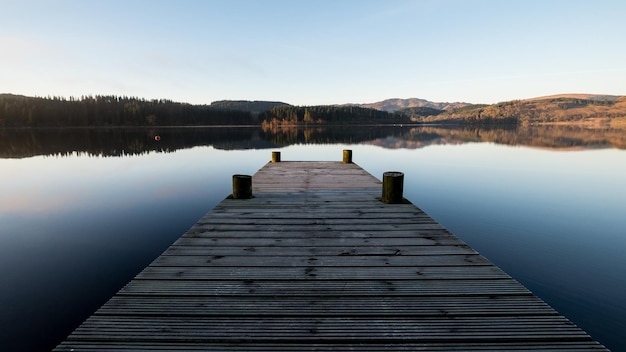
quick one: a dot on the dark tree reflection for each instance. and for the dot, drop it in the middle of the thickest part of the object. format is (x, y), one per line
(107, 142)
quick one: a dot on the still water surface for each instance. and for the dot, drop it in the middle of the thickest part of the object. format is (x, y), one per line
(82, 212)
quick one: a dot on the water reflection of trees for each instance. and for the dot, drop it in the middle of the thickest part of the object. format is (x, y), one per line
(18, 143)
(284, 136)
(544, 136)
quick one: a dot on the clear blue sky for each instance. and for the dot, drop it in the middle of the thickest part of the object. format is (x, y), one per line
(313, 52)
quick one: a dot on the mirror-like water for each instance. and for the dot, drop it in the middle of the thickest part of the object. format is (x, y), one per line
(82, 212)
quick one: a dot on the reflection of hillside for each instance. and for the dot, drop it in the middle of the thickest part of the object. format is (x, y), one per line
(19, 143)
(287, 135)
(555, 137)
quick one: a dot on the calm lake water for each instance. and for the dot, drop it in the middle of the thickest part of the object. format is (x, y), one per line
(83, 211)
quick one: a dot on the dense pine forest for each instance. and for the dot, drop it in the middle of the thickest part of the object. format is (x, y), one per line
(92, 111)
(107, 111)
(327, 114)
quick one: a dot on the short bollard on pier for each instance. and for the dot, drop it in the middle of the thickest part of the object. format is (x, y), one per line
(242, 187)
(275, 157)
(347, 156)
(393, 184)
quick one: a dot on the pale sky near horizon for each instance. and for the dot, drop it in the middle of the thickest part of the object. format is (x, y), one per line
(313, 52)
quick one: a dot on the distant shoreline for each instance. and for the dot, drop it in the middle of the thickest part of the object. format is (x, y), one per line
(123, 112)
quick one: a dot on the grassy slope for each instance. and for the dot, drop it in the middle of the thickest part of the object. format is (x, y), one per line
(579, 109)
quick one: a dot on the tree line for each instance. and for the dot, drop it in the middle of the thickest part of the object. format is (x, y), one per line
(109, 110)
(327, 115)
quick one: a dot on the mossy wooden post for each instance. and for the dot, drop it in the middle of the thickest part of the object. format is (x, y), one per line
(275, 157)
(393, 184)
(242, 187)
(347, 156)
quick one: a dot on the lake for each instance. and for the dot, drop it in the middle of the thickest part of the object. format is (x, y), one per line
(83, 211)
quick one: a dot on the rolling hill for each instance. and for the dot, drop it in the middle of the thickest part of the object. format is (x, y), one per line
(393, 105)
(590, 110)
(597, 97)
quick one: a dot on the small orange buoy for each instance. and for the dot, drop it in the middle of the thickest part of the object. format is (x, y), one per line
(157, 138)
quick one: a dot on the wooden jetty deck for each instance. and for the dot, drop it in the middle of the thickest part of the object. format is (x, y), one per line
(315, 261)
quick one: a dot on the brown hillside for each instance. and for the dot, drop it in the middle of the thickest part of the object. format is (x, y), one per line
(601, 97)
(561, 110)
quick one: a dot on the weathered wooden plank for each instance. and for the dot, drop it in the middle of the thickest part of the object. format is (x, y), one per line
(315, 261)
(204, 239)
(461, 329)
(292, 261)
(410, 289)
(288, 222)
(317, 227)
(323, 273)
(320, 251)
(250, 306)
(339, 210)
(281, 232)
(553, 346)
(329, 216)
(282, 201)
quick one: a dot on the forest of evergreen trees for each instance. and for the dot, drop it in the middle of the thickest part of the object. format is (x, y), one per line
(91, 111)
(327, 114)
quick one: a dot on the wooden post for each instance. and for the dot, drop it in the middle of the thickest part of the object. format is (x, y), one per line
(275, 157)
(242, 187)
(347, 156)
(393, 184)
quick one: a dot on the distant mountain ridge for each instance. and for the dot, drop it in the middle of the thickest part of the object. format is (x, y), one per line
(388, 105)
(395, 104)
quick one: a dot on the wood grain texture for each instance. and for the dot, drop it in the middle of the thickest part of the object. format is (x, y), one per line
(316, 262)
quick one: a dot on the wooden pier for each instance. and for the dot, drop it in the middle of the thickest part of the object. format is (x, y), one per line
(315, 261)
